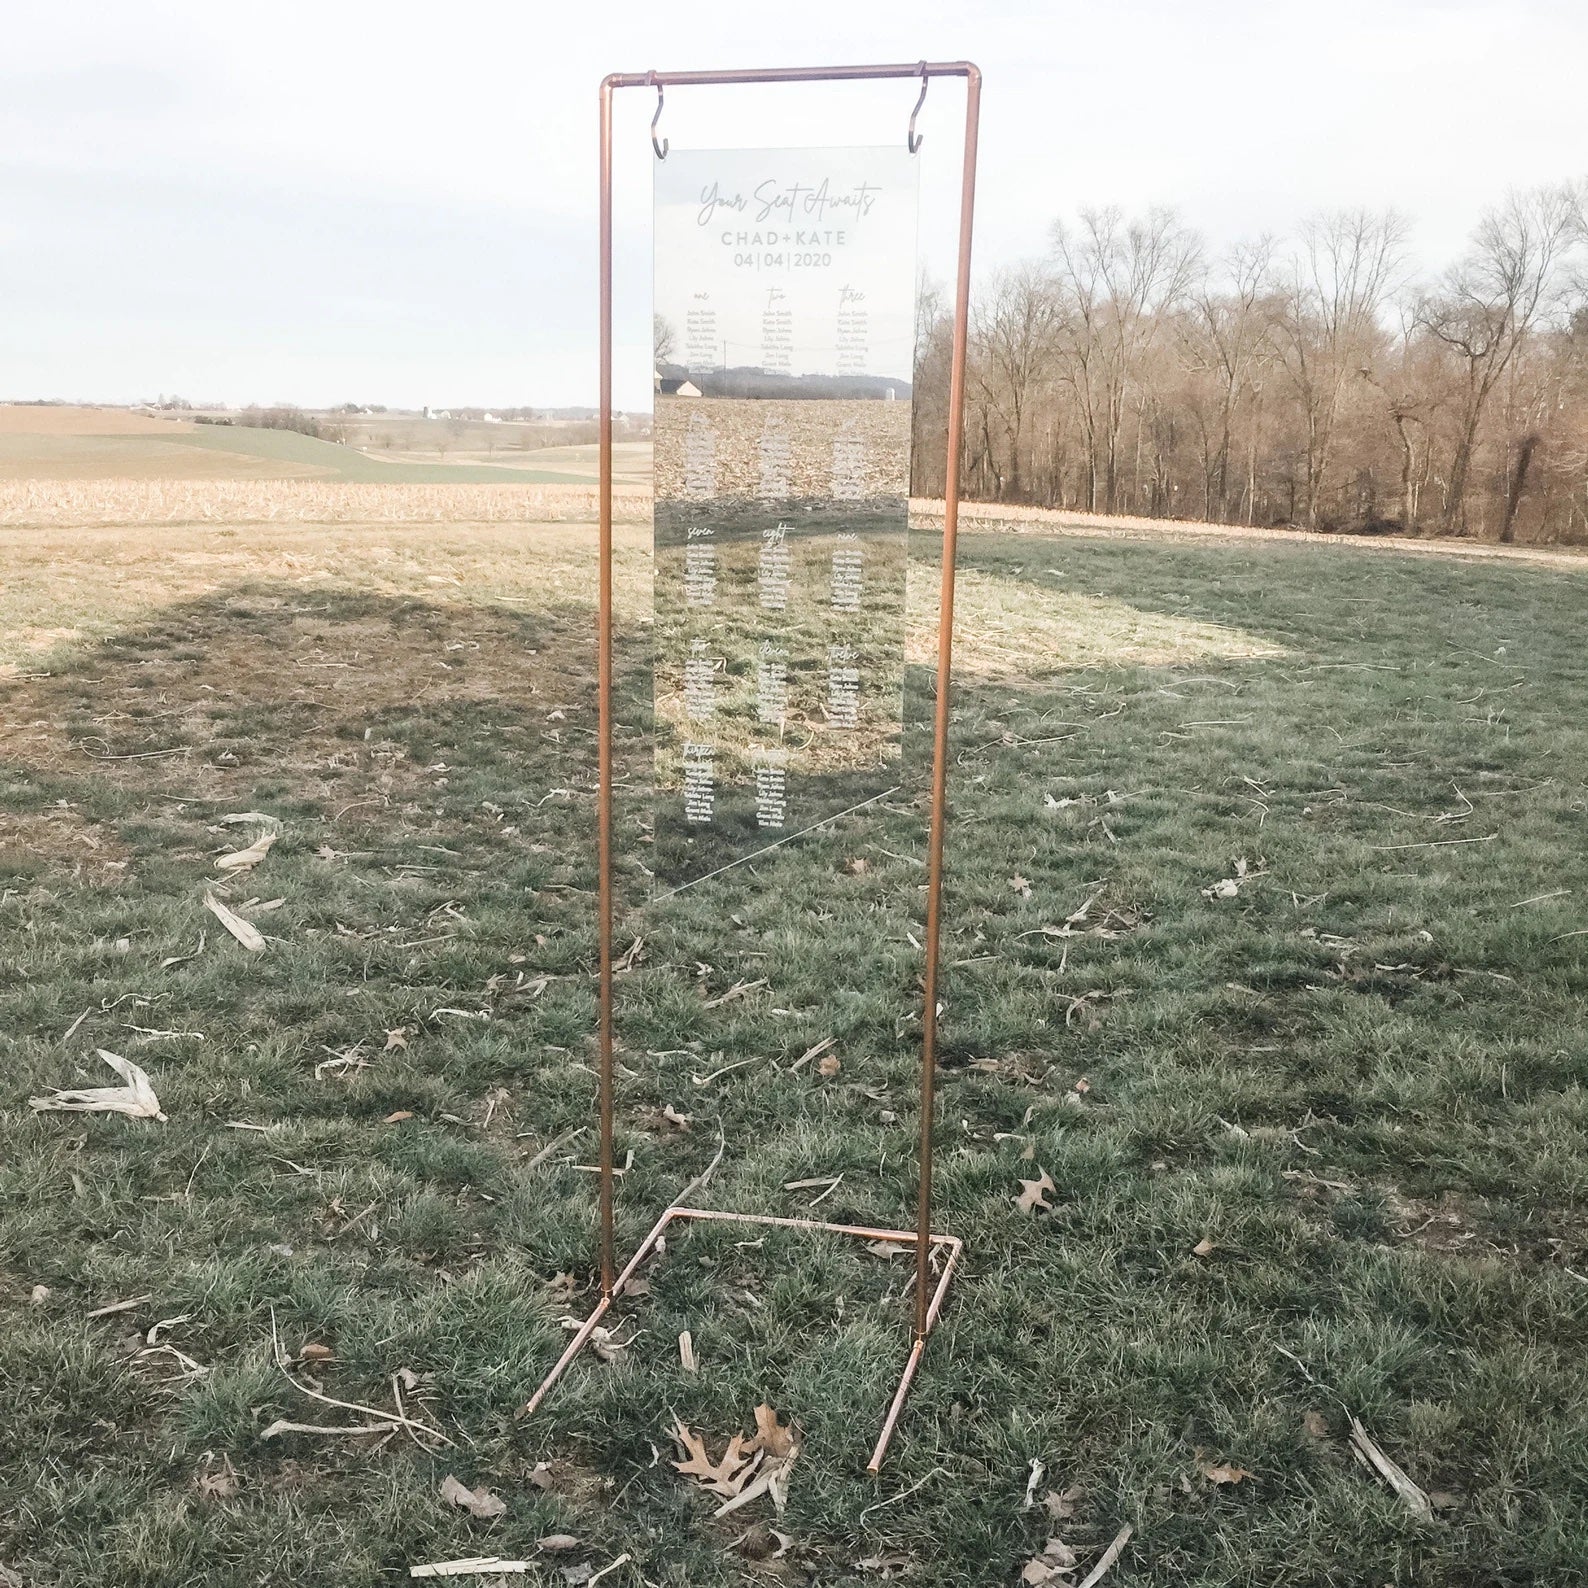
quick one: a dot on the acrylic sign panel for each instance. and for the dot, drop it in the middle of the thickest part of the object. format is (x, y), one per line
(785, 282)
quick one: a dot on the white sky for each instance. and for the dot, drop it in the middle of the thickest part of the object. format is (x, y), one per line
(395, 202)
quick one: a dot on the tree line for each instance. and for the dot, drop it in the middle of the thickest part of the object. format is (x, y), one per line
(1313, 382)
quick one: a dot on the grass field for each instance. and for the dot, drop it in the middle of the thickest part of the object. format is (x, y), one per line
(45, 443)
(1317, 1138)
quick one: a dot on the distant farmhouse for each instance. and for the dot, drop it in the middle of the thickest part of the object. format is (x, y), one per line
(666, 387)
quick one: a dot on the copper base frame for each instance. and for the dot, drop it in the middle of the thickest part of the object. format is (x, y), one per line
(928, 1297)
(949, 1243)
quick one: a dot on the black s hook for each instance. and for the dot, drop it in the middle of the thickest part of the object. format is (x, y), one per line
(662, 147)
(911, 139)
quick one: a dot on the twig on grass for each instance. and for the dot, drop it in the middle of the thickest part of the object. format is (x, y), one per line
(1366, 1451)
(903, 1494)
(546, 1151)
(1539, 898)
(356, 1431)
(815, 1051)
(711, 1168)
(706, 1080)
(119, 1306)
(1434, 843)
(399, 1418)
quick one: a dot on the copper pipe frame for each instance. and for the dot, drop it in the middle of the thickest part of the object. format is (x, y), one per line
(928, 1299)
(932, 1304)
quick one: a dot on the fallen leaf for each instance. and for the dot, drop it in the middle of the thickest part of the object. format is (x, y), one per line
(314, 1351)
(1062, 1506)
(1056, 1562)
(677, 1120)
(1411, 1496)
(888, 1249)
(1221, 1471)
(1034, 1194)
(245, 932)
(246, 859)
(556, 1543)
(815, 1051)
(775, 1438)
(829, 1066)
(1039, 1470)
(726, 1476)
(857, 867)
(480, 1503)
(41, 1294)
(396, 1038)
(1204, 1248)
(541, 1476)
(398, 1117)
(1315, 1424)
(219, 1482)
(1019, 885)
(136, 1099)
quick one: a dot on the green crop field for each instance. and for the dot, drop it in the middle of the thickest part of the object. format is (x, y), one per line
(1263, 1114)
(62, 443)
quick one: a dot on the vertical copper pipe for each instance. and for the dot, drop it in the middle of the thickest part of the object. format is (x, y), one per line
(604, 707)
(945, 668)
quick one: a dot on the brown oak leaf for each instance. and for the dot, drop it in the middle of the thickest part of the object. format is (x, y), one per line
(1034, 1194)
(725, 1477)
(479, 1503)
(775, 1438)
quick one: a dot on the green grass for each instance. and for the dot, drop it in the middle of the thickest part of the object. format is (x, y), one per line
(151, 455)
(1361, 1079)
(347, 463)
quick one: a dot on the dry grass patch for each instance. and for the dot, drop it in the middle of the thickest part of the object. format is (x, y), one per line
(93, 582)
(159, 502)
(1005, 630)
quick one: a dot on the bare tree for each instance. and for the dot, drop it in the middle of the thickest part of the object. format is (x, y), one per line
(1338, 281)
(1226, 339)
(1487, 305)
(1118, 280)
(1016, 323)
(664, 338)
(1275, 387)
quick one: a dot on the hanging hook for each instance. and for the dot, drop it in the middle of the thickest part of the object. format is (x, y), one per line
(662, 147)
(912, 140)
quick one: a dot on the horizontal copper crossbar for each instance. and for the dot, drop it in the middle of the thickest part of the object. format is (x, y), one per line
(789, 74)
(950, 1243)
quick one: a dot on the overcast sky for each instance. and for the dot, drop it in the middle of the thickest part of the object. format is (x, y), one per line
(395, 202)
